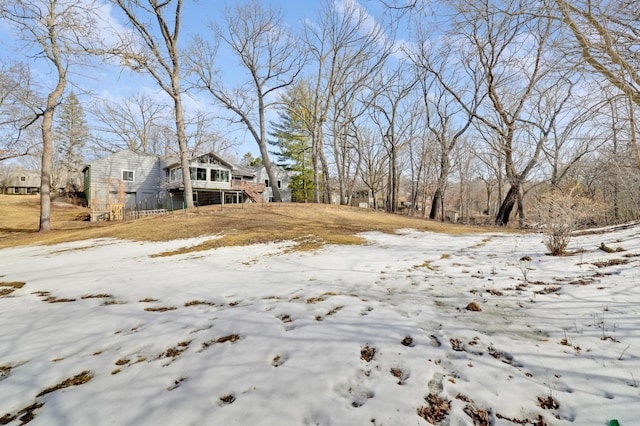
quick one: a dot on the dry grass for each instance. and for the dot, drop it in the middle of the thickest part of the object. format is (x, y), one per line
(96, 296)
(437, 409)
(77, 380)
(12, 284)
(311, 225)
(160, 308)
(367, 353)
(8, 287)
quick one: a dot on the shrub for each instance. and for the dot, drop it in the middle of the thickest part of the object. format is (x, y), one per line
(560, 212)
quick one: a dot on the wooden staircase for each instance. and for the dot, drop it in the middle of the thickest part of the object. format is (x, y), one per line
(253, 190)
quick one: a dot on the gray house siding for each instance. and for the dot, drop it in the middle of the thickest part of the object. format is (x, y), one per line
(132, 178)
(147, 182)
(283, 179)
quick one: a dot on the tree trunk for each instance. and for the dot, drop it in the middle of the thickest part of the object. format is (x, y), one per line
(521, 214)
(488, 188)
(436, 202)
(268, 165)
(392, 190)
(47, 167)
(438, 197)
(632, 128)
(184, 149)
(314, 165)
(326, 185)
(320, 169)
(47, 146)
(502, 218)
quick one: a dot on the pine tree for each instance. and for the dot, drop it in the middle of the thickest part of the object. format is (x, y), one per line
(294, 154)
(72, 134)
(250, 161)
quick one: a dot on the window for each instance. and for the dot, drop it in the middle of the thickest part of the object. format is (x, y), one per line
(175, 174)
(219, 175)
(16, 190)
(128, 175)
(279, 184)
(23, 178)
(29, 191)
(197, 173)
(208, 159)
(266, 183)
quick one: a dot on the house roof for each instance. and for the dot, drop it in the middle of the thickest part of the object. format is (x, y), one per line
(117, 154)
(175, 161)
(169, 162)
(243, 170)
(236, 169)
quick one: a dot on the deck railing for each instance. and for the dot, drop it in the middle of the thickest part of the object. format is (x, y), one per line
(251, 186)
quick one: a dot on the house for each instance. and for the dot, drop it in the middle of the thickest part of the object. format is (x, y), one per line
(148, 181)
(22, 182)
(214, 180)
(125, 177)
(282, 182)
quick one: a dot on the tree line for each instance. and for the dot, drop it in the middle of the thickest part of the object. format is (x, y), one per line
(524, 99)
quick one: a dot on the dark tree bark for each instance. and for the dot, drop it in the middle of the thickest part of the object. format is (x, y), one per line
(509, 202)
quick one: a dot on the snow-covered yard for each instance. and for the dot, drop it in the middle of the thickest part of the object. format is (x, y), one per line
(104, 333)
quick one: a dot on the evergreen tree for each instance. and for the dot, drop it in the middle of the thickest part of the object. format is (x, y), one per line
(72, 134)
(293, 146)
(249, 160)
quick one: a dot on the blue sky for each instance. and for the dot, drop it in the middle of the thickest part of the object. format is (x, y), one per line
(114, 83)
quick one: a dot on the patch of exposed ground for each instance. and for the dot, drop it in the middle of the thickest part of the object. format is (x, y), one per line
(77, 380)
(160, 308)
(232, 338)
(367, 353)
(436, 410)
(96, 296)
(8, 287)
(27, 414)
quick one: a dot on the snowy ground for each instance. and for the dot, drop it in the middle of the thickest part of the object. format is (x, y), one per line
(102, 333)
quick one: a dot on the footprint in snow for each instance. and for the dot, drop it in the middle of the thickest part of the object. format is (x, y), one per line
(435, 384)
(358, 395)
(366, 311)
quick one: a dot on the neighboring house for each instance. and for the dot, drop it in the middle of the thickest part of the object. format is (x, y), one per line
(22, 182)
(283, 180)
(148, 181)
(361, 197)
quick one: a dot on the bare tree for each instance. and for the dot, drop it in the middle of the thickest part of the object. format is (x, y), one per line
(421, 162)
(267, 53)
(574, 136)
(18, 107)
(616, 169)
(160, 57)
(465, 164)
(346, 49)
(526, 87)
(451, 85)
(203, 139)
(52, 31)
(393, 111)
(374, 162)
(344, 136)
(606, 37)
(133, 123)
